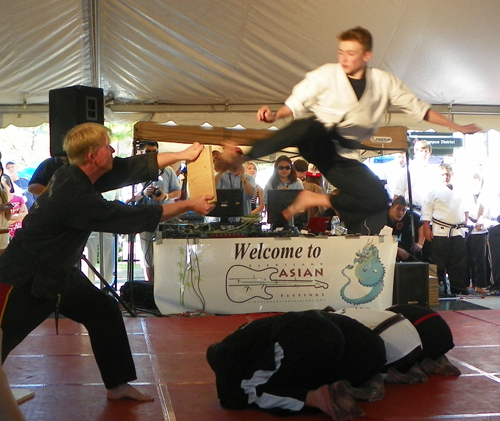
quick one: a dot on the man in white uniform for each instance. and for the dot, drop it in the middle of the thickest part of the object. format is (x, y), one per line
(348, 100)
(447, 210)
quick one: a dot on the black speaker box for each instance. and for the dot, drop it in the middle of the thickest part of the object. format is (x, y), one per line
(411, 283)
(69, 107)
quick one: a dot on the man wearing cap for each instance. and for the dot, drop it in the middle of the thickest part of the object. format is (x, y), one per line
(232, 176)
(400, 221)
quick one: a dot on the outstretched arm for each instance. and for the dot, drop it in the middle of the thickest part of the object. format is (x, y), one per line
(435, 118)
(188, 154)
(267, 116)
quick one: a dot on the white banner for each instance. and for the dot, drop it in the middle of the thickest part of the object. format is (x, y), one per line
(249, 275)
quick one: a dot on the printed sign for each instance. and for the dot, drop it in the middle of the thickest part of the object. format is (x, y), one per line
(249, 275)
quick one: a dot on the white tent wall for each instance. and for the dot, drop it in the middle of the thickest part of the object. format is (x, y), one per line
(238, 54)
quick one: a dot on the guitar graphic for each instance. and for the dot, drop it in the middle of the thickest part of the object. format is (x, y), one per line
(244, 283)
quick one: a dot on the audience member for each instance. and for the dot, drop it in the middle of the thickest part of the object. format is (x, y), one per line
(422, 175)
(301, 167)
(445, 208)
(18, 211)
(107, 255)
(44, 172)
(410, 233)
(6, 178)
(38, 273)
(20, 182)
(257, 200)
(232, 176)
(476, 240)
(217, 152)
(314, 182)
(5, 212)
(165, 190)
(284, 177)
(393, 172)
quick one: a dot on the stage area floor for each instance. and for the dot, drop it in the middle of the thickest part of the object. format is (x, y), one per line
(170, 357)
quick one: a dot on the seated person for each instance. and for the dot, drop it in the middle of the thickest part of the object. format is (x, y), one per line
(400, 221)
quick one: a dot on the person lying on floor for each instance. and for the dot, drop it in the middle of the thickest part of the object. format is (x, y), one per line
(298, 361)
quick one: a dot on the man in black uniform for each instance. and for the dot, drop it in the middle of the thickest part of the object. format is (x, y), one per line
(295, 360)
(38, 273)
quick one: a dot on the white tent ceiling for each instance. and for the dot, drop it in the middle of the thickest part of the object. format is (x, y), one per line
(193, 61)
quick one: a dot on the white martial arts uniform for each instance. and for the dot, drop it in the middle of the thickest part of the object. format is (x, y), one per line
(400, 338)
(328, 93)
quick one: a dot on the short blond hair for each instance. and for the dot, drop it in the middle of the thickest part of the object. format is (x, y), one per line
(84, 139)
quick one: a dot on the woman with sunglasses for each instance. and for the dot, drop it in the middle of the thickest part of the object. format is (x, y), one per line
(284, 177)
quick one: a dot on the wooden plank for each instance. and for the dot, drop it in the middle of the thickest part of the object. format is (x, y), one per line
(200, 174)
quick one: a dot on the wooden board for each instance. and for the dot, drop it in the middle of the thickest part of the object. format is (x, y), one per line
(200, 174)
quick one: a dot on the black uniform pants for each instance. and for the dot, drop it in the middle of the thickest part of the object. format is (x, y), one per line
(449, 254)
(476, 259)
(84, 303)
(360, 193)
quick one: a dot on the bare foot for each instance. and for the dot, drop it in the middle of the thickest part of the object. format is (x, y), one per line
(394, 376)
(371, 391)
(127, 391)
(305, 200)
(344, 401)
(417, 372)
(440, 366)
(334, 401)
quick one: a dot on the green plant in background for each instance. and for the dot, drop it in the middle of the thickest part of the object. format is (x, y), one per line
(189, 272)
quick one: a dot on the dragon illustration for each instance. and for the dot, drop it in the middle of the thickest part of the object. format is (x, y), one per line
(370, 273)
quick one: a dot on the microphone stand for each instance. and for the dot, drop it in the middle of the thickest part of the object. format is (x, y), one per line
(108, 287)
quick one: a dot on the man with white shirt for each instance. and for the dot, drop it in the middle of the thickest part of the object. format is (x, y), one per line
(445, 208)
(348, 100)
(422, 175)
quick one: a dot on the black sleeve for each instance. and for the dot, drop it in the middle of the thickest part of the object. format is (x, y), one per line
(128, 171)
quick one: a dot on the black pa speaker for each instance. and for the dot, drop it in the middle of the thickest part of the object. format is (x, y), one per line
(69, 107)
(411, 283)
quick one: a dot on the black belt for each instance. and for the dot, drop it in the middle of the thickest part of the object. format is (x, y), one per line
(450, 226)
(386, 324)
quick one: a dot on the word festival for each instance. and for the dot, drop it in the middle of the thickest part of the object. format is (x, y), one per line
(260, 252)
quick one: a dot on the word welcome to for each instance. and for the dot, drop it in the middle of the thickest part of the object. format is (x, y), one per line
(260, 252)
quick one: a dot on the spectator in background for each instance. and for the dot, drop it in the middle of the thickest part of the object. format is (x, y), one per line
(394, 171)
(166, 190)
(5, 177)
(300, 166)
(18, 211)
(44, 172)
(400, 221)
(422, 175)
(107, 255)
(217, 158)
(444, 206)
(5, 212)
(257, 201)
(284, 177)
(314, 182)
(20, 182)
(476, 240)
(232, 176)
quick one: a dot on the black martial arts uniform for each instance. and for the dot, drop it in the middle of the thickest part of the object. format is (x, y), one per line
(37, 270)
(272, 363)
